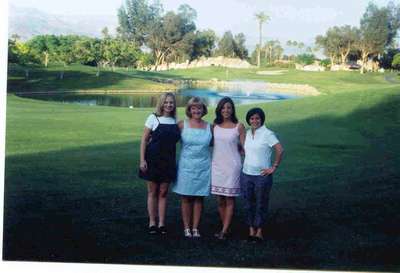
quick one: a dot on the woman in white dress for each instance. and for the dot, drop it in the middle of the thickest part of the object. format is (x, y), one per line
(229, 136)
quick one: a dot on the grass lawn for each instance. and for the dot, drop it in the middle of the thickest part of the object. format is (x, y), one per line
(72, 193)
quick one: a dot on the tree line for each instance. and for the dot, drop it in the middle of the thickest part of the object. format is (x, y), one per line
(374, 39)
(145, 36)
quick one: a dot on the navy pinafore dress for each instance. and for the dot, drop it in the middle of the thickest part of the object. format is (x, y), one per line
(161, 154)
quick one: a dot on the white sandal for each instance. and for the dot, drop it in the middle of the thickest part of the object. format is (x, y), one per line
(187, 233)
(196, 233)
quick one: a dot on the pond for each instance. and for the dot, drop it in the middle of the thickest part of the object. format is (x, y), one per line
(210, 96)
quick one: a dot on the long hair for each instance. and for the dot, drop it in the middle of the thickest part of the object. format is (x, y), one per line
(160, 104)
(218, 116)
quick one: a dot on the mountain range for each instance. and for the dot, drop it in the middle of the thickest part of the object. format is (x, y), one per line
(27, 22)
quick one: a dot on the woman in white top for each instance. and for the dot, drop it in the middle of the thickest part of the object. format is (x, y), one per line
(157, 159)
(256, 177)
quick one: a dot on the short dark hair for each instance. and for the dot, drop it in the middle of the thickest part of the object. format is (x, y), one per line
(218, 116)
(254, 111)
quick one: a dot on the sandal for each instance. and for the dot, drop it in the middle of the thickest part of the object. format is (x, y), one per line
(162, 230)
(195, 233)
(152, 230)
(187, 233)
(221, 235)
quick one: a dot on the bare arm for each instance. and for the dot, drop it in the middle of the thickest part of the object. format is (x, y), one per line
(278, 157)
(180, 125)
(212, 134)
(143, 143)
(242, 138)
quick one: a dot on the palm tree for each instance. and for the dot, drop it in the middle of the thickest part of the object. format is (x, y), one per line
(261, 17)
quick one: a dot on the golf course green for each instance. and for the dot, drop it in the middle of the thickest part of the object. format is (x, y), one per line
(72, 193)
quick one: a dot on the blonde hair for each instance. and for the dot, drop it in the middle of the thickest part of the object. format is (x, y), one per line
(159, 111)
(195, 101)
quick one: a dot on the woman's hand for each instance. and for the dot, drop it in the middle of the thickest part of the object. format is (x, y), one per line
(145, 139)
(268, 171)
(143, 165)
(278, 157)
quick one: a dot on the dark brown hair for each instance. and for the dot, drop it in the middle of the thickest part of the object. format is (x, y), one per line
(218, 116)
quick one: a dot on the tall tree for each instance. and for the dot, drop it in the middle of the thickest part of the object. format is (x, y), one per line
(393, 12)
(240, 47)
(171, 34)
(329, 45)
(338, 42)
(136, 19)
(269, 49)
(182, 49)
(347, 41)
(262, 18)
(373, 34)
(278, 52)
(226, 45)
(204, 44)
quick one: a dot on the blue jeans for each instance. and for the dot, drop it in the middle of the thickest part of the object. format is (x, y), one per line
(255, 191)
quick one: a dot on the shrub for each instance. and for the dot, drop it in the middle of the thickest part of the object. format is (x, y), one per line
(396, 61)
(305, 58)
(325, 62)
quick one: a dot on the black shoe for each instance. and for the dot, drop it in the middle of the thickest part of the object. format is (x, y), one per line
(251, 239)
(162, 230)
(153, 230)
(222, 236)
(258, 239)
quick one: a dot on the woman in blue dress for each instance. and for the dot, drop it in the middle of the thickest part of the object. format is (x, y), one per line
(194, 167)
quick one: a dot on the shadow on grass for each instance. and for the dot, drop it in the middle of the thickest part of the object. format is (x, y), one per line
(87, 205)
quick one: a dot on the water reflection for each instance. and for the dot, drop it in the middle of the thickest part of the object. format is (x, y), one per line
(211, 98)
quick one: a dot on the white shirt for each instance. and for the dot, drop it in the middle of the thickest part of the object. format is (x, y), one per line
(258, 149)
(152, 122)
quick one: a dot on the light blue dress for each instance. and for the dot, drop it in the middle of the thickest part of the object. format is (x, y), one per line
(194, 167)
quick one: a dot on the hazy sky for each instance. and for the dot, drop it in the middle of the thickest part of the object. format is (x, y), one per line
(299, 20)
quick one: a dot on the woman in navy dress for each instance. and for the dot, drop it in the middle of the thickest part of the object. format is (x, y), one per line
(158, 159)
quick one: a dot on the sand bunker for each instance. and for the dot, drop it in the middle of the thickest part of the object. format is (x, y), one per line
(271, 72)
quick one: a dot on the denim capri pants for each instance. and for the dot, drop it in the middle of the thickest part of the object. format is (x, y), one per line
(255, 191)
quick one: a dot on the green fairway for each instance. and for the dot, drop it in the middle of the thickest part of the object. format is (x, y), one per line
(79, 77)
(72, 193)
